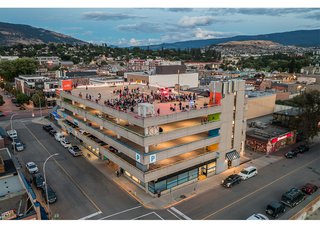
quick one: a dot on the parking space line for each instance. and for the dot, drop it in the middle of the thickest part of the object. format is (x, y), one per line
(180, 213)
(259, 189)
(143, 215)
(65, 171)
(90, 216)
(120, 212)
(173, 214)
(158, 215)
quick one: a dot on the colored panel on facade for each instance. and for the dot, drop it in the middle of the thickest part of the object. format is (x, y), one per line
(213, 147)
(214, 117)
(66, 85)
(214, 132)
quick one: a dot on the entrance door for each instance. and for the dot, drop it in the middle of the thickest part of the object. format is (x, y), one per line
(229, 164)
(202, 172)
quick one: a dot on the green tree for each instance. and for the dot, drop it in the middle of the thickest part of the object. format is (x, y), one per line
(11, 69)
(38, 97)
(22, 98)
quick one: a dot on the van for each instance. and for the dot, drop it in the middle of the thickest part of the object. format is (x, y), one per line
(58, 136)
(248, 172)
(12, 134)
(293, 197)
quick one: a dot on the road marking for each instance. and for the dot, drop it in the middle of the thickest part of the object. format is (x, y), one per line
(65, 171)
(90, 216)
(259, 189)
(120, 212)
(174, 214)
(180, 213)
(147, 215)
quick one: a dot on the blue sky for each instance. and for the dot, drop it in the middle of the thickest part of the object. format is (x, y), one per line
(134, 26)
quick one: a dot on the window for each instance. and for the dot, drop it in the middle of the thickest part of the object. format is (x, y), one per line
(172, 182)
(182, 178)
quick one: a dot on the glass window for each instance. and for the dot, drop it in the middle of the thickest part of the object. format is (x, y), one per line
(193, 174)
(182, 178)
(162, 185)
(172, 182)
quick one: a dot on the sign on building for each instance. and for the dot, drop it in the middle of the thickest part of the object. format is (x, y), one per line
(153, 158)
(138, 157)
(66, 85)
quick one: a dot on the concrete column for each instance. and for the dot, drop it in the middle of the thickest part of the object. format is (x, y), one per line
(73, 102)
(85, 119)
(117, 120)
(101, 127)
(146, 132)
(146, 149)
(146, 187)
(118, 136)
(84, 107)
(74, 113)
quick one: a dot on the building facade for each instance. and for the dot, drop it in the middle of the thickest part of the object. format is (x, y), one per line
(160, 145)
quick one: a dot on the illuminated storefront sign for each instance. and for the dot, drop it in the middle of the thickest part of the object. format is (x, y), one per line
(281, 137)
(66, 85)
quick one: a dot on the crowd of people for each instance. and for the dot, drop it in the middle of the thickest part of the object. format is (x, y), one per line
(127, 99)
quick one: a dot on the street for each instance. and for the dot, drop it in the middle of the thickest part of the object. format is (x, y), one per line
(85, 193)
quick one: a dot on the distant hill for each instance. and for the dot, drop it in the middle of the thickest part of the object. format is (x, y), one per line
(250, 43)
(303, 38)
(12, 34)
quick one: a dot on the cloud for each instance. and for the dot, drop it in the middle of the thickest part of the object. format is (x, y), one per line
(187, 21)
(314, 16)
(144, 27)
(261, 11)
(184, 10)
(134, 42)
(206, 34)
(104, 16)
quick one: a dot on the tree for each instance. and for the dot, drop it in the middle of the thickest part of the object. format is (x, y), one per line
(1, 100)
(22, 98)
(309, 118)
(11, 69)
(38, 96)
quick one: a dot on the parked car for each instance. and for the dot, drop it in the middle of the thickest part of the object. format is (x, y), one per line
(58, 136)
(303, 148)
(52, 132)
(65, 143)
(75, 151)
(47, 128)
(292, 153)
(275, 208)
(258, 217)
(52, 197)
(38, 180)
(19, 146)
(292, 197)
(309, 189)
(32, 167)
(12, 134)
(248, 172)
(231, 180)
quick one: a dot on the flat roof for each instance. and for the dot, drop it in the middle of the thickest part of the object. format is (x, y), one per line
(268, 133)
(290, 112)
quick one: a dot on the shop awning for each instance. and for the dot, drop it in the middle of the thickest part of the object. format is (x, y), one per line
(232, 155)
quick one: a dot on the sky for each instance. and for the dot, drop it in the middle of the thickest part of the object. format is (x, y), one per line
(145, 26)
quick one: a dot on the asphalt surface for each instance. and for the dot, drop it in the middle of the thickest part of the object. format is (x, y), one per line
(84, 192)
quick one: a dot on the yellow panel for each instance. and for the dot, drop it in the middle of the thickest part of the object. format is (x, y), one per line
(213, 147)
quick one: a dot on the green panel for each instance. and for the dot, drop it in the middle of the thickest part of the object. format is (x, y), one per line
(214, 117)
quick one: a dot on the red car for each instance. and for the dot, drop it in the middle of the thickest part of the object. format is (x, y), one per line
(309, 189)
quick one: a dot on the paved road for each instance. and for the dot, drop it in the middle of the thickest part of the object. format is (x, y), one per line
(252, 195)
(84, 192)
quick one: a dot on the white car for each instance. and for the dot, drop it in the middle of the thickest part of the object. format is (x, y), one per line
(32, 167)
(248, 172)
(12, 134)
(75, 151)
(258, 217)
(65, 143)
(58, 136)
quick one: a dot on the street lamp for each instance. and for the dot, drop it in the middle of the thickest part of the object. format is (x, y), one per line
(45, 180)
(13, 142)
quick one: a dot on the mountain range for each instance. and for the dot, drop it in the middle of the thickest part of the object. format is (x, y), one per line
(12, 34)
(303, 38)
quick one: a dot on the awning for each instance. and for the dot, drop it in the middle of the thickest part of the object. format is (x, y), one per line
(232, 155)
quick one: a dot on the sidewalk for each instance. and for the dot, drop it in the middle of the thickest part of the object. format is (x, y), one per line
(186, 192)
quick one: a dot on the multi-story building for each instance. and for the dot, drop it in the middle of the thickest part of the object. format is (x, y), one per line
(48, 60)
(160, 143)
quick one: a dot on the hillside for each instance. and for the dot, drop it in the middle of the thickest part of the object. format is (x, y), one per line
(250, 43)
(303, 38)
(12, 34)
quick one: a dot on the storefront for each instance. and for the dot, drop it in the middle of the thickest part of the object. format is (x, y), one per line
(269, 141)
(231, 157)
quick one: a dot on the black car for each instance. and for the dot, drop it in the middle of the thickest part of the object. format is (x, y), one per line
(303, 148)
(52, 197)
(47, 128)
(292, 153)
(293, 197)
(231, 180)
(275, 208)
(38, 180)
(52, 132)
(112, 149)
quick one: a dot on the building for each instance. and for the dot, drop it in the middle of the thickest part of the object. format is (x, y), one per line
(48, 60)
(165, 76)
(30, 84)
(17, 199)
(158, 143)
(260, 104)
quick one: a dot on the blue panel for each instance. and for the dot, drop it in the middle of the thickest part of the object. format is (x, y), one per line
(214, 132)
